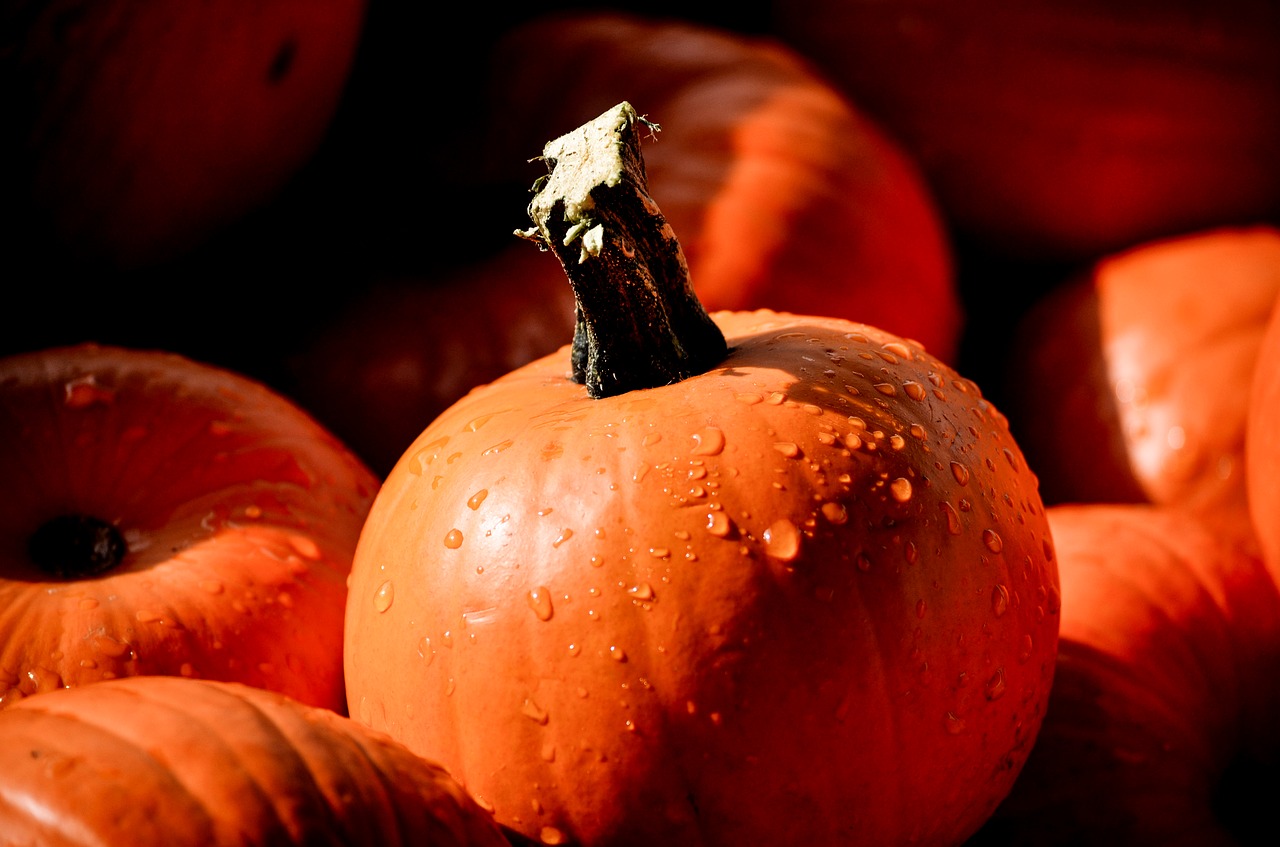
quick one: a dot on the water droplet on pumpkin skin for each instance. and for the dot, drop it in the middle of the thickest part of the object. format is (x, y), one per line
(835, 513)
(383, 597)
(900, 489)
(474, 501)
(539, 600)
(617, 653)
(953, 724)
(788, 448)
(993, 540)
(709, 442)
(953, 518)
(782, 540)
(551, 835)
(642, 591)
(534, 712)
(996, 685)
(719, 524)
(960, 473)
(999, 600)
(565, 535)
(453, 539)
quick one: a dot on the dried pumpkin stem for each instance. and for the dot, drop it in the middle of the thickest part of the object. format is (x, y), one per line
(639, 322)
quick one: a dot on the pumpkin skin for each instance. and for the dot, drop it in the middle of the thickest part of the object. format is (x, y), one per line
(196, 763)
(1164, 691)
(138, 129)
(1067, 129)
(808, 596)
(239, 513)
(1129, 383)
(1262, 453)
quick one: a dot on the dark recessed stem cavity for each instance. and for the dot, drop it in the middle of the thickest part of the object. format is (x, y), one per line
(639, 323)
(74, 546)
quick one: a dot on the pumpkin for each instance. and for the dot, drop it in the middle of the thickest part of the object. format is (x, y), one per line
(706, 578)
(1062, 129)
(136, 129)
(1161, 725)
(1129, 383)
(198, 763)
(162, 516)
(786, 195)
(1262, 452)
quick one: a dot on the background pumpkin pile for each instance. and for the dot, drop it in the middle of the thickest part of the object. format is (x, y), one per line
(1074, 205)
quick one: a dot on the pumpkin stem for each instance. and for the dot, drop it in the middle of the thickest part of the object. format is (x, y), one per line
(74, 546)
(639, 322)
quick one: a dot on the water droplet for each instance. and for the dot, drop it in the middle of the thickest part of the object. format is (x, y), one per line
(954, 724)
(84, 391)
(425, 650)
(900, 349)
(749, 399)
(208, 586)
(834, 512)
(551, 835)
(787, 448)
(617, 653)
(999, 600)
(565, 535)
(782, 540)
(534, 712)
(383, 597)
(147, 616)
(642, 591)
(953, 518)
(900, 488)
(540, 601)
(710, 442)
(863, 562)
(885, 388)
(474, 501)
(453, 540)
(1026, 649)
(992, 539)
(960, 472)
(659, 552)
(914, 390)
(718, 524)
(651, 438)
(996, 685)
(497, 448)
(548, 752)
(920, 609)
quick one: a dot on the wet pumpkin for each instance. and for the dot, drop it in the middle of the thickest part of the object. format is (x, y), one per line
(739, 577)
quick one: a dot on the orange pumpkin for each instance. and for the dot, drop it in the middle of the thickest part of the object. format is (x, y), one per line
(746, 577)
(1161, 726)
(162, 516)
(135, 129)
(1262, 448)
(191, 763)
(1061, 128)
(1129, 382)
(785, 195)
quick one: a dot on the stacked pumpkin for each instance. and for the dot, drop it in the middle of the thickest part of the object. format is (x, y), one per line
(712, 542)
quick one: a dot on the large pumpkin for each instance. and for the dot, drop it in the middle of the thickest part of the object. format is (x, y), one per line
(747, 577)
(134, 129)
(162, 516)
(1262, 447)
(785, 195)
(1062, 128)
(1161, 726)
(151, 761)
(1130, 382)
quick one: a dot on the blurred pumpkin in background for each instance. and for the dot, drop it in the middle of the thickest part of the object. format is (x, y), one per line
(1062, 128)
(166, 517)
(135, 130)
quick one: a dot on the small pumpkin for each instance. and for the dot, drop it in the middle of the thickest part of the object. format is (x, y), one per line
(136, 129)
(195, 763)
(1058, 129)
(1129, 382)
(713, 578)
(163, 516)
(786, 197)
(1161, 725)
